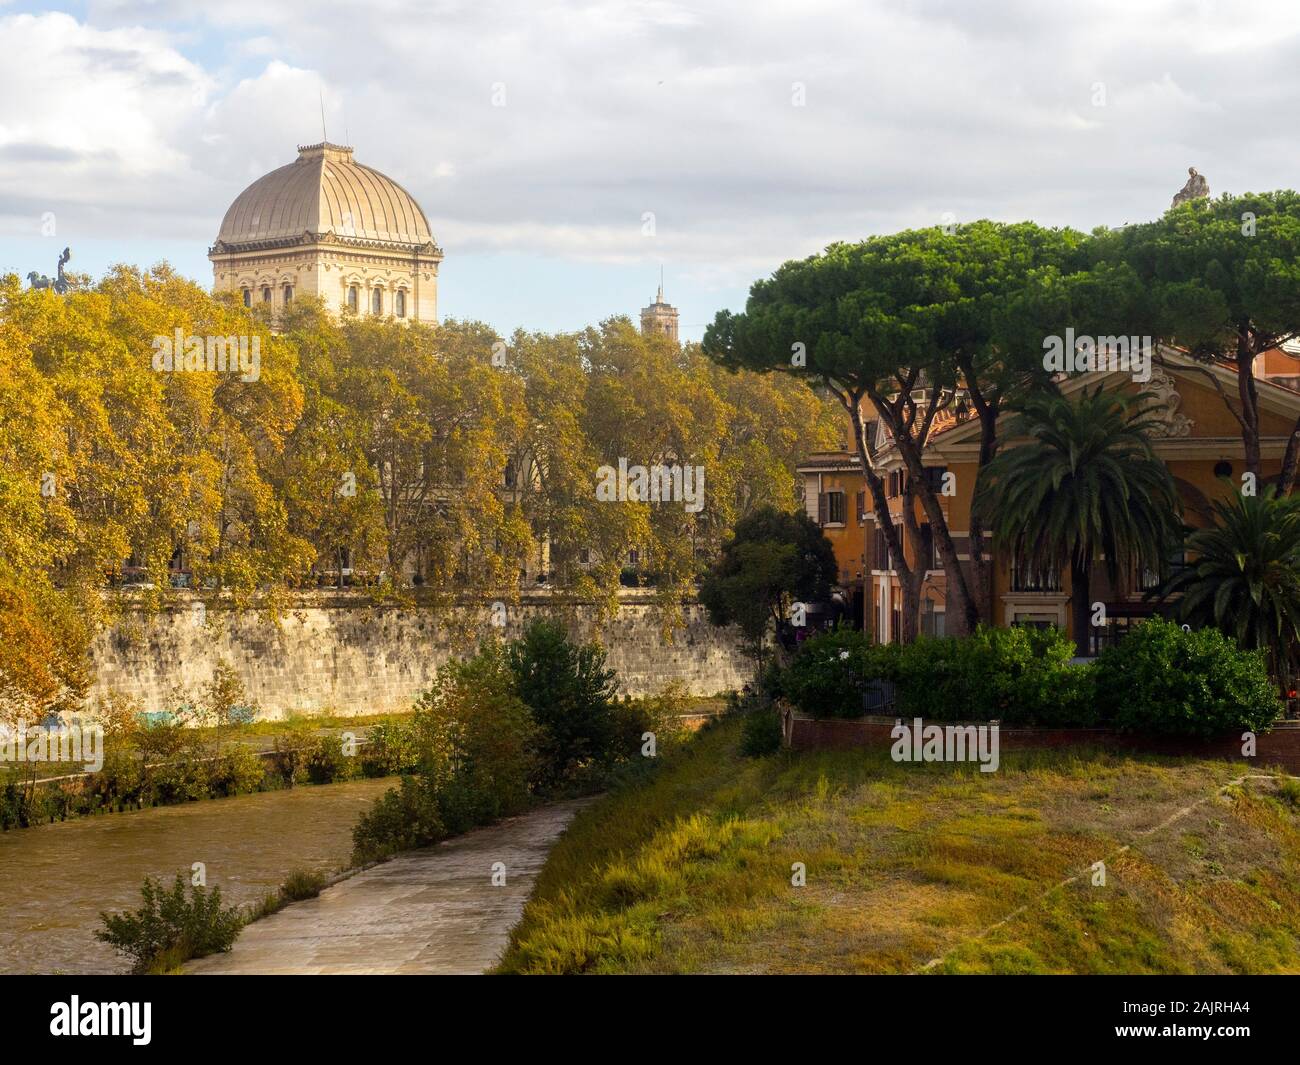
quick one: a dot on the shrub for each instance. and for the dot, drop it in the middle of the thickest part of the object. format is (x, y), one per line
(16, 809)
(633, 718)
(829, 674)
(171, 926)
(389, 750)
(238, 770)
(403, 817)
(1288, 792)
(1017, 675)
(476, 738)
(571, 696)
(761, 728)
(302, 884)
(121, 781)
(1199, 683)
(325, 762)
(184, 779)
(289, 757)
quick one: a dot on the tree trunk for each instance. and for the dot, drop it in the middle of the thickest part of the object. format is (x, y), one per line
(1081, 605)
(852, 402)
(1246, 355)
(982, 565)
(910, 450)
(958, 589)
(1286, 479)
(910, 614)
(912, 584)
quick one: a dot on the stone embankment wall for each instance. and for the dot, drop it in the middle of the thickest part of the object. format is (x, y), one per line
(340, 652)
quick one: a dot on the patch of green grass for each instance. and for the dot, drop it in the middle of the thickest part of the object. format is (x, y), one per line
(907, 864)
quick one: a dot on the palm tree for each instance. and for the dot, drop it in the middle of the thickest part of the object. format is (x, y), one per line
(1086, 485)
(1245, 579)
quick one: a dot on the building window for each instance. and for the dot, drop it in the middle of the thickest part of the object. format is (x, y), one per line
(248, 298)
(584, 556)
(288, 293)
(884, 559)
(831, 508)
(634, 557)
(932, 621)
(352, 297)
(377, 301)
(1035, 621)
(399, 303)
(862, 508)
(1147, 580)
(1024, 579)
(266, 293)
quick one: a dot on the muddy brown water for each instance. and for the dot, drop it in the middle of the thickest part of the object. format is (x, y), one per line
(55, 879)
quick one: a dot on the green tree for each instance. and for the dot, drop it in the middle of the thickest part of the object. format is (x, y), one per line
(1220, 278)
(902, 322)
(773, 560)
(1245, 578)
(1086, 485)
(477, 740)
(570, 695)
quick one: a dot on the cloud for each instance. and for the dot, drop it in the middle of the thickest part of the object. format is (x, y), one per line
(754, 131)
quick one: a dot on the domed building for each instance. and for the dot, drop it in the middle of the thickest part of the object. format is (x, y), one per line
(326, 225)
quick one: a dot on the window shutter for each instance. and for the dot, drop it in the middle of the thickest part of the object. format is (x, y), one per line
(821, 508)
(862, 507)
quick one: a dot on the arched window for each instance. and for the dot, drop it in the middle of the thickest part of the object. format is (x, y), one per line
(352, 297)
(377, 301)
(288, 293)
(399, 303)
(266, 293)
(248, 298)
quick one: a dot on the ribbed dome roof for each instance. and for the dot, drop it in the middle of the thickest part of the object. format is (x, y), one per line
(323, 190)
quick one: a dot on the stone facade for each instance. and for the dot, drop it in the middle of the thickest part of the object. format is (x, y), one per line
(339, 652)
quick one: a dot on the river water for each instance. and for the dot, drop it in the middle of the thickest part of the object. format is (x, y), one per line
(55, 879)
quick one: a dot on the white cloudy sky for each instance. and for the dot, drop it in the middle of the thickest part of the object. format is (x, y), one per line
(136, 122)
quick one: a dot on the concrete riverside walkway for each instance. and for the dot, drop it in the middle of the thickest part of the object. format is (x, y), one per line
(430, 911)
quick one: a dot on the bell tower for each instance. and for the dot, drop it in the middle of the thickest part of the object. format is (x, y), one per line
(659, 317)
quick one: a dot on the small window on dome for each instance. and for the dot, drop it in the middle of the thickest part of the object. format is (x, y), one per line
(377, 301)
(352, 297)
(399, 303)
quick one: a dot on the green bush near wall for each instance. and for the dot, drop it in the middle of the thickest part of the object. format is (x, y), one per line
(1162, 679)
(1158, 679)
(1019, 676)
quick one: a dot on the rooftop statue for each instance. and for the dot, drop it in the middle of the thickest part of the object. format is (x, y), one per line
(1196, 188)
(58, 284)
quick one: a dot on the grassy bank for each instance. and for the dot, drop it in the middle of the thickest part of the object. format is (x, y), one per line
(906, 864)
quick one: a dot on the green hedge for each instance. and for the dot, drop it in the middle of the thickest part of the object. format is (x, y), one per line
(1019, 676)
(1158, 679)
(831, 670)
